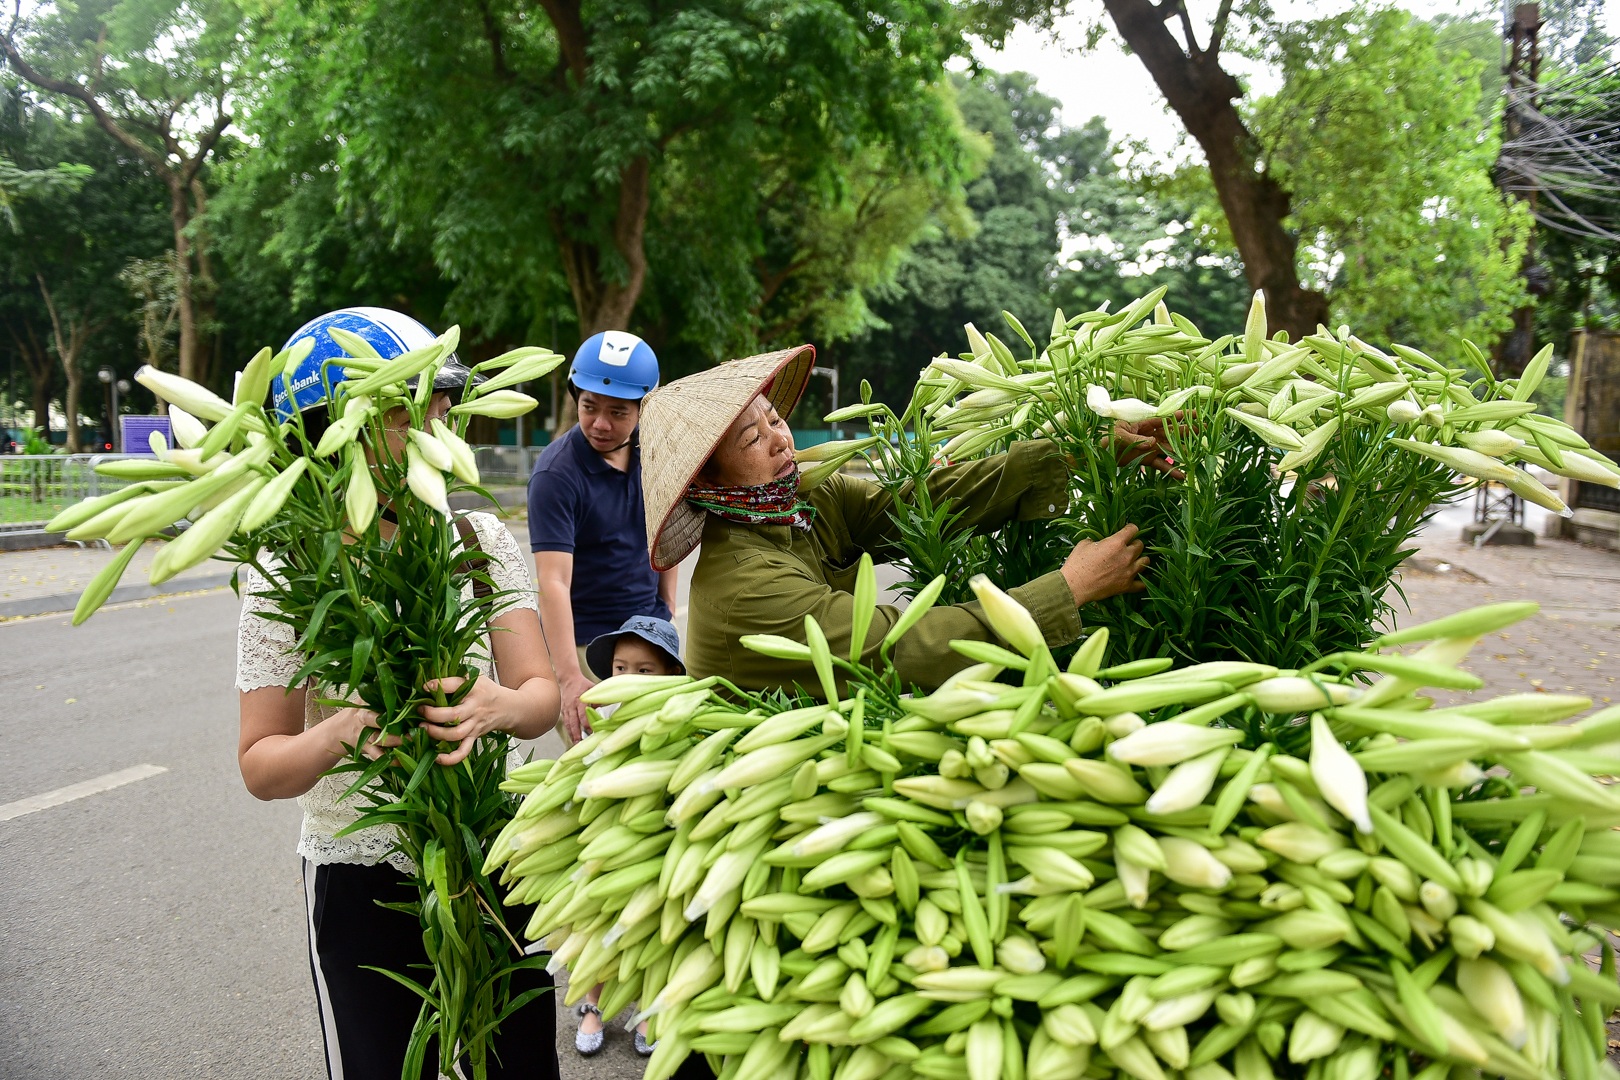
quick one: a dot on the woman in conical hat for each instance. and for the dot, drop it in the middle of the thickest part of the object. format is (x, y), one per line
(718, 470)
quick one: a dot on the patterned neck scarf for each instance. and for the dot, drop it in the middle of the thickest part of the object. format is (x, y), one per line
(775, 503)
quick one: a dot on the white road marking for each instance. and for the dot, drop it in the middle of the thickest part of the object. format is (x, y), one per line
(78, 791)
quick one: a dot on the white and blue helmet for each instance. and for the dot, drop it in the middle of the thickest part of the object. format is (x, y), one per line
(616, 364)
(391, 333)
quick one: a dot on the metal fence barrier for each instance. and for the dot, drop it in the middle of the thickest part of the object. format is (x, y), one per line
(506, 464)
(35, 487)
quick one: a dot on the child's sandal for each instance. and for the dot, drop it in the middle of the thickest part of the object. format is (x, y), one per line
(589, 1043)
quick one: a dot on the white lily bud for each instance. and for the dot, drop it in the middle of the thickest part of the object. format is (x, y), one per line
(977, 344)
(931, 923)
(1020, 955)
(188, 430)
(1122, 724)
(1462, 774)
(691, 977)
(1493, 993)
(1098, 401)
(927, 958)
(1403, 411)
(724, 876)
(1437, 900)
(983, 818)
(1134, 879)
(1170, 743)
(341, 433)
(1296, 694)
(1190, 863)
(502, 404)
(1490, 442)
(1187, 784)
(360, 498)
(426, 482)
(1008, 617)
(1069, 1025)
(1132, 410)
(434, 452)
(464, 463)
(1313, 1037)
(197, 400)
(628, 780)
(1469, 936)
(1298, 842)
(1241, 856)
(1337, 776)
(1179, 1011)
(833, 835)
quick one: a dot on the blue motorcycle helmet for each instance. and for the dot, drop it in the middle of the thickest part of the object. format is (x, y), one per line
(391, 333)
(614, 364)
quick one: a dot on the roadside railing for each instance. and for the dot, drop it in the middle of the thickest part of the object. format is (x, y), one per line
(35, 487)
(506, 464)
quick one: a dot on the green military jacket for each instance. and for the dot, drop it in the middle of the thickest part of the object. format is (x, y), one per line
(764, 579)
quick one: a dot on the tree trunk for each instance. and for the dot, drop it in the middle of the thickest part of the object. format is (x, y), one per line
(601, 301)
(1202, 95)
(75, 382)
(69, 346)
(37, 359)
(205, 288)
(180, 217)
(42, 404)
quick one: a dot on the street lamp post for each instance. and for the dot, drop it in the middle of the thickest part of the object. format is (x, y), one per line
(114, 384)
(831, 374)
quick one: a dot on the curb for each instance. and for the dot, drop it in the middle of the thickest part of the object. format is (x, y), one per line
(60, 602)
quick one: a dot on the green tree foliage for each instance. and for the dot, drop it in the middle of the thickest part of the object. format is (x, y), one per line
(543, 155)
(1572, 31)
(63, 310)
(1377, 136)
(154, 75)
(19, 184)
(1138, 229)
(1002, 256)
(1053, 219)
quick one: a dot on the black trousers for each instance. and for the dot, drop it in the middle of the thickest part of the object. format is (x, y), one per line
(366, 1018)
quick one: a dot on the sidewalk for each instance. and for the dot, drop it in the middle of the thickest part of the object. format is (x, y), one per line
(46, 580)
(1572, 646)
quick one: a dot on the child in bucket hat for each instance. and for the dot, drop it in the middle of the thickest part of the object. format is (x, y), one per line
(644, 645)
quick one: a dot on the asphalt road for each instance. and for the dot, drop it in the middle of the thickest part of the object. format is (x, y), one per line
(155, 929)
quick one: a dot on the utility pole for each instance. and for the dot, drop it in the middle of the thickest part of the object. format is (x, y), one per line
(1521, 29)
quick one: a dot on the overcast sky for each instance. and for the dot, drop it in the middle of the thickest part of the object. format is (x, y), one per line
(1108, 83)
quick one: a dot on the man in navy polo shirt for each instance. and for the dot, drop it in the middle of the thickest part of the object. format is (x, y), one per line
(587, 527)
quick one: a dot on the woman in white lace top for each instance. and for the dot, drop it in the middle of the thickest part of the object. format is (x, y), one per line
(287, 745)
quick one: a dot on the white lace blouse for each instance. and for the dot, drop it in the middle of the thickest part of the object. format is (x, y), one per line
(264, 657)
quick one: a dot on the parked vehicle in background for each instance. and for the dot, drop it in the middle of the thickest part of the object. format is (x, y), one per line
(92, 440)
(12, 440)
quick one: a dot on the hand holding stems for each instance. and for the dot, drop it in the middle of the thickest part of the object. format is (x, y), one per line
(357, 726)
(1145, 442)
(1098, 569)
(574, 721)
(483, 710)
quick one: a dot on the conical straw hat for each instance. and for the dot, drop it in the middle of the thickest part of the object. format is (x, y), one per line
(682, 423)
